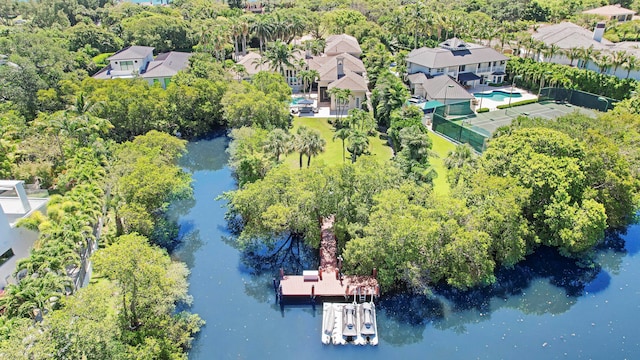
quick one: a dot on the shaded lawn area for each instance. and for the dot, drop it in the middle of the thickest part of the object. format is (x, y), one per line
(441, 147)
(333, 150)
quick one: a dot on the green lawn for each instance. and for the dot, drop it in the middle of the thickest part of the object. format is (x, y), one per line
(333, 151)
(441, 146)
(378, 148)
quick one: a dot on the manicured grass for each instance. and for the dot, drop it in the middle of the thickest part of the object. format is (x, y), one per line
(333, 150)
(441, 147)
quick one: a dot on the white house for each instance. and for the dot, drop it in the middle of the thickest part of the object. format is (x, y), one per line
(469, 64)
(138, 61)
(567, 36)
(15, 243)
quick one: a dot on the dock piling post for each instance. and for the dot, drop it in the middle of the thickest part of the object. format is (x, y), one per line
(320, 273)
(281, 273)
(313, 291)
(375, 273)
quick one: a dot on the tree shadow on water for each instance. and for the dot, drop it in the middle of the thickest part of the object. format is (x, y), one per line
(403, 317)
(544, 283)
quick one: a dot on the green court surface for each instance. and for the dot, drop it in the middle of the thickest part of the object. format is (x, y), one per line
(487, 123)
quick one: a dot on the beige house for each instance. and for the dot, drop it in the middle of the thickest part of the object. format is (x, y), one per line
(357, 86)
(343, 43)
(612, 12)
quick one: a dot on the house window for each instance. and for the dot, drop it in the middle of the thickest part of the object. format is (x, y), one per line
(357, 103)
(502, 62)
(126, 65)
(6, 256)
(440, 71)
(462, 67)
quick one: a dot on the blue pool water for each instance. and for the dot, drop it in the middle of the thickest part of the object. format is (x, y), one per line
(497, 95)
(545, 308)
(296, 100)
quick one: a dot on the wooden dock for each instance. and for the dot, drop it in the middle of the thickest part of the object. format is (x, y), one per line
(327, 281)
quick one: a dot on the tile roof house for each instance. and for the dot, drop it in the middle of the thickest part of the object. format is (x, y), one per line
(612, 12)
(470, 64)
(567, 35)
(441, 88)
(138, 61)
(339, 67)
(343, 43)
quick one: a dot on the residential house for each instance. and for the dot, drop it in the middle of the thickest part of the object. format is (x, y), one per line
(343, 43)
(438, 91)
(138, 61)
(567, 36)
(15, 242)
(469, 64)
(338, 67)
(612, 12)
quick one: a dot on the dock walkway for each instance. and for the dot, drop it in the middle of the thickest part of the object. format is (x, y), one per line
(327, 281)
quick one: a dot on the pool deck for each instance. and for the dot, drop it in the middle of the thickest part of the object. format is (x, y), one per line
(492, 105)
(327, 281)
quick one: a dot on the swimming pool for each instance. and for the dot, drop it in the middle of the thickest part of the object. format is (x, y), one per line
(497, 95)
(296, 100)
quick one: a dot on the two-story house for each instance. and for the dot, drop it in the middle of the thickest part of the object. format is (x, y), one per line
(138, 61)
(15, 243)
(469, 64)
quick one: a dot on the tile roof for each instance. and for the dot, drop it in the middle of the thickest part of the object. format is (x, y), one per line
(251, 63)
(343, 43)
(436, 58)
(167, 64)
(329, 70)
(132, 52)
(610, 10)
(351, 81)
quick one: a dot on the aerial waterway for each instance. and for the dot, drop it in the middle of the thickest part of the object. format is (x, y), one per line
(546, 308)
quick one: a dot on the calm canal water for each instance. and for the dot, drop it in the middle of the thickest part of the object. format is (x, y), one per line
(546, 308)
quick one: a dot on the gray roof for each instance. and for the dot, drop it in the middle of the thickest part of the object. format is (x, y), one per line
(441, 58)
(329, 70)
(167, 64)
(567, 35)
(437, 87)
(132, 52)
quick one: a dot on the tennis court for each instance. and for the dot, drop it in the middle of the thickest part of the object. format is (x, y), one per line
(487, 123)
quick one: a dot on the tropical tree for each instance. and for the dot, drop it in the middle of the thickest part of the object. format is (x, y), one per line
(572, 54)
(342, 134)
(308, 77)
(358, 144)
(341, 99)
(278, 56)
(263, 28)
(618, 59)
(278, 143)
(551, 51)
(632, 64)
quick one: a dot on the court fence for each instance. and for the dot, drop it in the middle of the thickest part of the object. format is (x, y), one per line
(578, 98)
(456, 131)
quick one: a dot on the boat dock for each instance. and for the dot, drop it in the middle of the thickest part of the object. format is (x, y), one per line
(349, 323)
(328, 280)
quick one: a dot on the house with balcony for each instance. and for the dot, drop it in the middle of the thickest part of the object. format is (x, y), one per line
(15, 242)
(469, 64)
(138, 61)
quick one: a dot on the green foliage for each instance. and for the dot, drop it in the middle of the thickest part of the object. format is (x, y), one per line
(389, 94)
(516, 103)
(95, 36)
(569, 77)
(149, 285)
(247, 155)
(246, 105)
(482, 110)
(165, 32)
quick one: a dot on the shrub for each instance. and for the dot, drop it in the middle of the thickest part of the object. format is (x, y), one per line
(482, 110)
(518, 103)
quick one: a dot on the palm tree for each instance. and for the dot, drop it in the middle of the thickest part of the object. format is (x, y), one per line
(278, 143)
(358, 144)
(341, 98)
(587, 55)
(308, 77)
(300, 143)
(315, 144)
(632, 64)
(263, 28)
(603, 62)
(572, 54)
(244, 23)
(342, 134)
(550, 51)
(460, 156)
(617, 59)
(279, 56)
